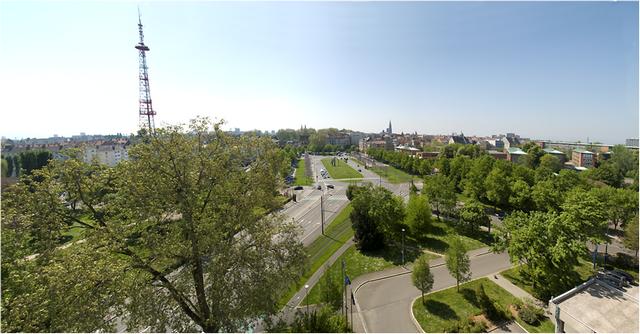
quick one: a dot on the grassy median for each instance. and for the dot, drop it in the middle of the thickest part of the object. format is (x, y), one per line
(301, 178)
(392, 174)
(442, 311)
(337, 232)
(341, 170)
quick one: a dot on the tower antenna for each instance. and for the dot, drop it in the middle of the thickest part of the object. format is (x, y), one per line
(145, 112)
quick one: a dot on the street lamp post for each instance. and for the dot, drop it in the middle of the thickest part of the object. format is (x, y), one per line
(403, 247)
(306, 288)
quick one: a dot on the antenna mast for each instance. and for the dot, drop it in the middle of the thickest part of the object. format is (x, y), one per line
(146, 111)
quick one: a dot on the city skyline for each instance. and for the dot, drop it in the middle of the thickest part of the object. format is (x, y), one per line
(542, 70)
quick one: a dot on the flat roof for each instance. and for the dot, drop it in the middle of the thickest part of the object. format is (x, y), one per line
(552, 151)
(516, 150)
(602, 308)
(582, 151)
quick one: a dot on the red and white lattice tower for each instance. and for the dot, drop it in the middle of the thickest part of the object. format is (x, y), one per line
(146, 112)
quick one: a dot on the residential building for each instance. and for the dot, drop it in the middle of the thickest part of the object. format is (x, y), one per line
(498, 155)
(515, 154)
(109, 155)
(631, 142)
(459, 139)
(558, 154)
(583, 158)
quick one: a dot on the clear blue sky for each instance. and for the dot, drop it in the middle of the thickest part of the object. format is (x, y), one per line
(543, 70)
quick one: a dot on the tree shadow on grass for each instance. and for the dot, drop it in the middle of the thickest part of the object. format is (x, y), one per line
(434, 244)
(440, 310)
(470, 296)
(393, 254)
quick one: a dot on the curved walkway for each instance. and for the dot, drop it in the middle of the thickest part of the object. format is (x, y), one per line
(384, 299)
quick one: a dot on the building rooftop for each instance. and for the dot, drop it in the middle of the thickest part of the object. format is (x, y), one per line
(583, 151)
(516, 150)
(596, 306)
(552, 151)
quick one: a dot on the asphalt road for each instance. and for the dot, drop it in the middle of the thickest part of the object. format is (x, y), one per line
(385, 305)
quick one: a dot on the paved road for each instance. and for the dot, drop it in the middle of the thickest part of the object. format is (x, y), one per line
(385, 305)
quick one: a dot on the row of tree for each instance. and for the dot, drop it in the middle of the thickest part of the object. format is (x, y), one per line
(26, 161)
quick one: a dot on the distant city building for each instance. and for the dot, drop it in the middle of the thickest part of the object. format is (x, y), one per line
(558, 154)
(459, 139)
(631, 142)
(498, 155)
(583, 158)
(109, 155)
(515, 154)
(389, 129)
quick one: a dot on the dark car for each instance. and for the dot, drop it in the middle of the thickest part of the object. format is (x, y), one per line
(628, 277)
(298, 188)
(330, 186)
(319, 187)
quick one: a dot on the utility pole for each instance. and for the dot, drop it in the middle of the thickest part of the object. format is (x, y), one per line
(344, 291)
(403, 247)
(322, 214)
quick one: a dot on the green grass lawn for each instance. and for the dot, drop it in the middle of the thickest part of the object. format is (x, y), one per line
(337, 232)
(358, 264)
(441, 234)
(301, 178)
(341, 171)
(517, 276)
(392, 174)
(444, 308)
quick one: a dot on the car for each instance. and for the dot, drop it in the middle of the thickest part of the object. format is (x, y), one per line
(298, 188)
(330, 186)
(359, 170)
(624, 274)
(319, 187)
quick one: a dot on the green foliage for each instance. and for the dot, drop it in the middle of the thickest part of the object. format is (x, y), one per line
(607, 172)
(631, 235)
(16, 164)
(10, 166)
(546, 196)
(497, 185)
(551, 163)
(421, 276)
(458, 169)
(377, 216)
(331, 287)
(31, 160)
(185, 200)
(418, 214)
(458, 262)
(473, 216)
(550, 242)
(440, 192)
(520, 197)
(625, 160)
(4, 167)
(322, 320)
(352, 190)
(620, 204)
(530, 313)
(474, 180)
(402, 161)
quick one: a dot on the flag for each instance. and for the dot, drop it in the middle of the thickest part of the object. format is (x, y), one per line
(347, 281)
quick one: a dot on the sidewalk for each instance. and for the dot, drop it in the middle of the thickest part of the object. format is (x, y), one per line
(513, 289)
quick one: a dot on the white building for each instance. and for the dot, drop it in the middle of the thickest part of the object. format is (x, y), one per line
(109, 155)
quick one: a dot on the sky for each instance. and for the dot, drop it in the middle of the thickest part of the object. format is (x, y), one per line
(544, 70)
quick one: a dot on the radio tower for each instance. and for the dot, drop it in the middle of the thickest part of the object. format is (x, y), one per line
(146, 111)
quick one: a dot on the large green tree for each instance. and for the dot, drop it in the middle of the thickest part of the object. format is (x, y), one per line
(550, 243)
(377, 217)
(473, 216)
(421, 276)
(418, 214)
(440, 192)
(473, 182)
(177, 238)
(457, 261)
(497, 185)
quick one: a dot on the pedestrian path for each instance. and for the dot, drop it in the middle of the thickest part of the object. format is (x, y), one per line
(514, 289)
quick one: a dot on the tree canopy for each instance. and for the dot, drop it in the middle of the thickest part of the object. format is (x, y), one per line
(177, 238)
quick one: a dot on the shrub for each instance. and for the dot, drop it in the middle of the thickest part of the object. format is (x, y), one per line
(530, 313)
